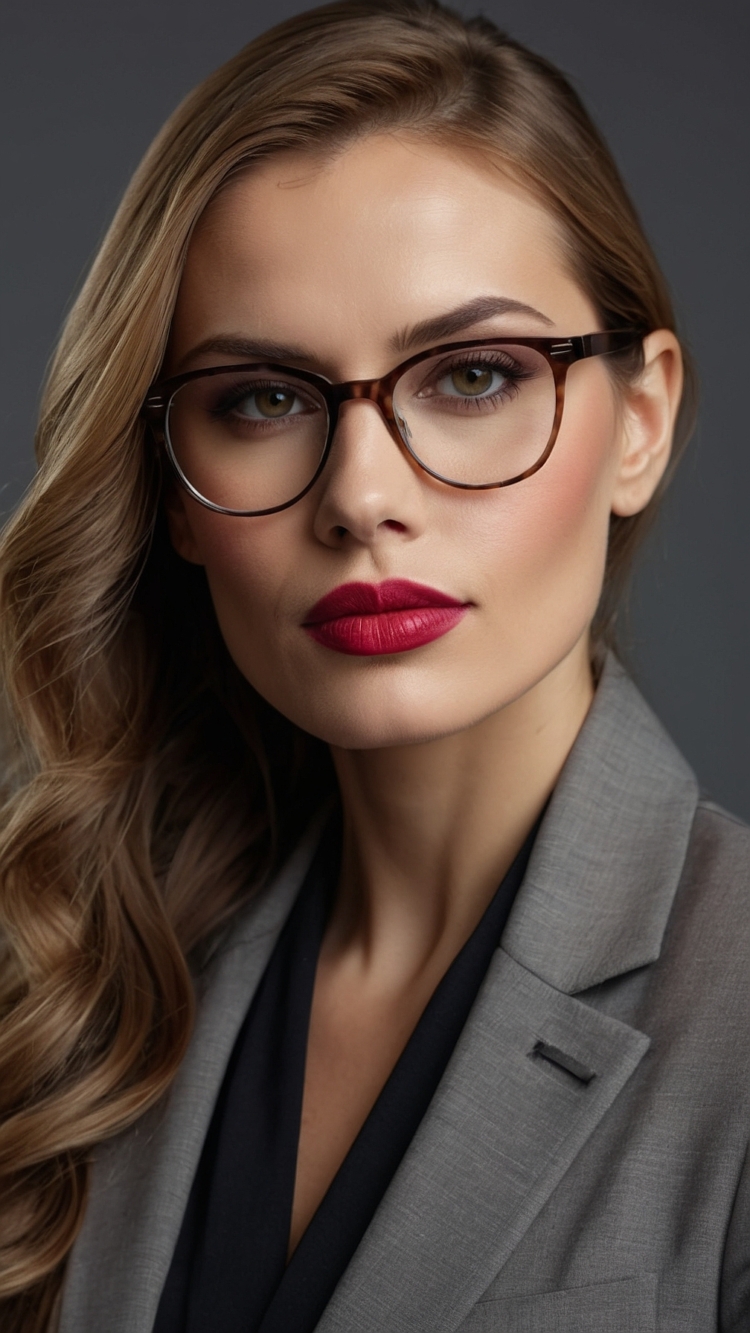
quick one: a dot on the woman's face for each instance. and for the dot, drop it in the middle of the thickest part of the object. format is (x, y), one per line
(342, 263)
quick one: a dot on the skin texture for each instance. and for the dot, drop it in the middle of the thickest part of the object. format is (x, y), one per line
(445, 754)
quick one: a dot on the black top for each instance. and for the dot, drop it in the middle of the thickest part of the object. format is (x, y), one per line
(229, 1272)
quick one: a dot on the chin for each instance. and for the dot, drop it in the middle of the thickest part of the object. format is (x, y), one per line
(382, 715)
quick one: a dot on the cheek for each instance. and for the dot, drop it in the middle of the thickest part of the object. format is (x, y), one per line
(250, 565)
(546, 542)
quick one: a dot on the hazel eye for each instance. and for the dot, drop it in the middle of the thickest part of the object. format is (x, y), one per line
(471, 380)
(269, 403)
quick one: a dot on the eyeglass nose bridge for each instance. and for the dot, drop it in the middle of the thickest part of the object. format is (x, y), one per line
(380, 393)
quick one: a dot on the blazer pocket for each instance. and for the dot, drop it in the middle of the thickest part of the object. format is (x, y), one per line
(625, 1306)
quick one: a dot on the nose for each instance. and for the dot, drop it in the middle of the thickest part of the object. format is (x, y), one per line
(370, 488)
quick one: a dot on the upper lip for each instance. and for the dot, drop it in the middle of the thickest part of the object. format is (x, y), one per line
(368, 599)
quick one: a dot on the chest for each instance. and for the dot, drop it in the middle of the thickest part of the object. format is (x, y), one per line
(354, 1042)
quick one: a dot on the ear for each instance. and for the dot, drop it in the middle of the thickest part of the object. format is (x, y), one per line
(649, 412)
(176, 506)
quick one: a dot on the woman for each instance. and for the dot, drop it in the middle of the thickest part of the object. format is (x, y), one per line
(370, 960)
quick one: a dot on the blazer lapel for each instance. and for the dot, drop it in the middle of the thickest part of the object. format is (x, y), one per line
(536, 1067)
(502, 1130)
(610, 853)
(141, 1180)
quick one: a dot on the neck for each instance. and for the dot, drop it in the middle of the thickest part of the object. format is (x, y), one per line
(430, 829)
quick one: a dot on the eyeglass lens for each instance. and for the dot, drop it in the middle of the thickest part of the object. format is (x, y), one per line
(251, 439)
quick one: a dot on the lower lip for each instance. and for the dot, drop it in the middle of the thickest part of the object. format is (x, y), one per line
(387, 631)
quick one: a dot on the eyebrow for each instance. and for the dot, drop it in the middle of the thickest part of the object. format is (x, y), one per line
(238, 348)
(462, 317)
(428, 331)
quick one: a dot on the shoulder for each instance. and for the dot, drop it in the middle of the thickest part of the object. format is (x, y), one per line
(702, 977)
(720, 827)
(712, 903)
(717, 859)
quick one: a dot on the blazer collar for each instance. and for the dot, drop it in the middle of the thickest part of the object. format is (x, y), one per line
(608, 857)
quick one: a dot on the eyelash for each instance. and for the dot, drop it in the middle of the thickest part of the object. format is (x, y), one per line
(497, 360)
(514, 374)
(235, 395)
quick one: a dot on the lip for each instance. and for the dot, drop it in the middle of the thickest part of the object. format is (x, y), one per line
(376, 619)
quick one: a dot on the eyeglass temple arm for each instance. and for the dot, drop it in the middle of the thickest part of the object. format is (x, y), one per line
(595, 344)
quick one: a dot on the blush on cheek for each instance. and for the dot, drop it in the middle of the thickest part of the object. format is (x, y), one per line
(554, 538)
(575, 484)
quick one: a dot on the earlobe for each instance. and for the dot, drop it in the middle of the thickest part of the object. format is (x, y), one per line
(180, 530)
(649, 412)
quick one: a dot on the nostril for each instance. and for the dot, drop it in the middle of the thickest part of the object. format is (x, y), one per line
(393, 525)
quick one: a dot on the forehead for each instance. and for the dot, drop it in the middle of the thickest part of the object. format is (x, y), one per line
(389, 232)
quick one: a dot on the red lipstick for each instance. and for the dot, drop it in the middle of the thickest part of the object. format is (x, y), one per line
(373, 619)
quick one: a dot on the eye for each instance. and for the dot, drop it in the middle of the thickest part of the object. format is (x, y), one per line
(269, 402)
(471, 380)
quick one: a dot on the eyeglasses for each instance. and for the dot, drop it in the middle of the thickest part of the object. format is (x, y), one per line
(252, 439)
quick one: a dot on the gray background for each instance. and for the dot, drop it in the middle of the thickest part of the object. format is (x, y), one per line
(85, 84)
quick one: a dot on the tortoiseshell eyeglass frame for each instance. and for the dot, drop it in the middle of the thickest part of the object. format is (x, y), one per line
(560, 353)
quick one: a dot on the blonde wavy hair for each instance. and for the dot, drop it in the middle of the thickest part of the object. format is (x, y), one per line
(149, 787)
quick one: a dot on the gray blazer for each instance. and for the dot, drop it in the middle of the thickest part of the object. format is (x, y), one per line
(595, 1184)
